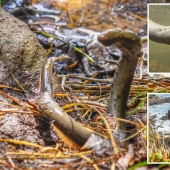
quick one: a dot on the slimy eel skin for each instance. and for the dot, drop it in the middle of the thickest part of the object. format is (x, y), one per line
(130, 45)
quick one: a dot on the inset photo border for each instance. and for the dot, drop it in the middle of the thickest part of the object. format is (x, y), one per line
(158, 128)
(159, 38)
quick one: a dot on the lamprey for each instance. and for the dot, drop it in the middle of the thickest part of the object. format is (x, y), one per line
(130, 45)
(46, 73)
(72, 132)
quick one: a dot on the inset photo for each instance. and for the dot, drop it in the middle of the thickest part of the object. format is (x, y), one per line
(159, 38)
(158, 128)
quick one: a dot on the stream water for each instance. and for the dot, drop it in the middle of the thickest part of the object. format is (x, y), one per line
(162, 127)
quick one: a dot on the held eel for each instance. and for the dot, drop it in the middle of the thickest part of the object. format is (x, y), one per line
(130, 45)
(159, 33)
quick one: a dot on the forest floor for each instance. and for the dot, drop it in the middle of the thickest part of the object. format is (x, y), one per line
(28, 140)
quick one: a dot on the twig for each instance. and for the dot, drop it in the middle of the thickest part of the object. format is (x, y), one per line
(90, 79)
(8, 165)
(8, 87)
(89, 160)
(20, 142)
(82, 12)
(141, 66)
(90, 91)
(109, 130)
(11, 98)
(90, 87)
(17, 82)
(112, 61)
(132, 136)
(81, 52)
(20, 111)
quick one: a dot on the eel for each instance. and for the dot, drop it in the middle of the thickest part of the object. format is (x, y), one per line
(73, 133)
(131, 46)
(159, 33)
